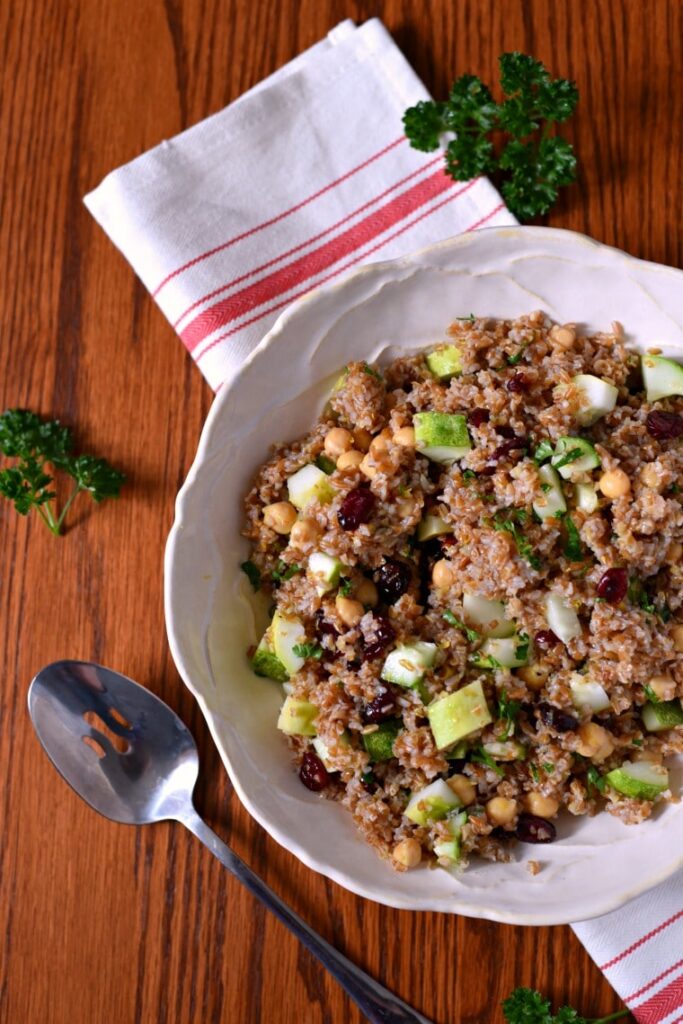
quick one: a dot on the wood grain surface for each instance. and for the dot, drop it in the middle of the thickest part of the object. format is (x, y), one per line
(101, 922)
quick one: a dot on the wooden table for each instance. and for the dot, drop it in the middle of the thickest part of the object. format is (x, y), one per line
(99, 922)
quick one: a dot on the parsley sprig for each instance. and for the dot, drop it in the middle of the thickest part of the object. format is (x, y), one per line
(508, 711)
(308, 650)
(527, 1006)
(453, 620)
(531, 165)
(508, 521)
(37, 444)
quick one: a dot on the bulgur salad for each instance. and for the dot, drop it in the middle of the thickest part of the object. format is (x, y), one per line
(474, 563)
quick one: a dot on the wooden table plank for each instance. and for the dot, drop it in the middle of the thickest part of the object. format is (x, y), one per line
(101, 922)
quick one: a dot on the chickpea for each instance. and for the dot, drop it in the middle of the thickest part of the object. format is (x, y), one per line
(649, 474)
(564, 337)
(405, 437)
(407, 853)
(674, 553)
(362, 439)
(281, 516)
(349, 611)
(443, 574)
(463, 788)
(543, 806)
(349, 460)
(614, 483)
(501, 811)
(535, 676)
(369, 467)
(305, 533)
(677, 637)
(337, 441)
(664, 687)
(366, 593)
(594, 742)
(379, 444)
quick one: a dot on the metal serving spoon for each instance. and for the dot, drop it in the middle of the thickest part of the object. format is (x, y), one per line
(132, 759)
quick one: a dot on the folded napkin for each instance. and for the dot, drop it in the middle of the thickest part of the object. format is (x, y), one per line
(304, 177)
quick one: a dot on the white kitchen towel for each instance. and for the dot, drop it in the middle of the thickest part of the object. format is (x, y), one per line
(304, 177)
(301, 179)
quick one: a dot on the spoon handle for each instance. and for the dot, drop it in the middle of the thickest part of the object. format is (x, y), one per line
(378, 1004)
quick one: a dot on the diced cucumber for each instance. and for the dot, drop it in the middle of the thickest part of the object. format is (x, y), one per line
(449, 849)
(297, 717)
(640, 779)
(309, 484)
(325, 463)
(407, 663)
(458, 752)
(487, 617)
(445, 362)
(586, 497)
(508, 652)
(666, 714)
(459, 714)
(441, 436)
(323, 752)
(325, 569)
(380, 744)
(662, 377)
(432, 526)
(265, 662)
(596, 398)
(286, 634)
(552, 501)
(505, 750)
(431, 803)
(561, 618)
(587, 693)
(568, 463)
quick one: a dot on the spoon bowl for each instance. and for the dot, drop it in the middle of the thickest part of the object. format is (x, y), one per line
(129, 756)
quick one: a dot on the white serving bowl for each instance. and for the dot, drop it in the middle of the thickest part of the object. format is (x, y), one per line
(376, 313)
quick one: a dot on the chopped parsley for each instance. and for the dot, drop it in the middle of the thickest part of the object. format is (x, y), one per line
(469, 318)
(571, 456)
(522, 649)
(508, 711)
(595, 779)
(527, 1006)
(345, 586)
(534, 772)
(543, 451)
(480, 756)
(372, 371)
(507, 521)
(638, 596)
(651, 695)
(548, 767)
(514, 359)
(253, 574)
(637, 743)
(308, 650)
(283, 571)
(468, 475)
(452, 620)
(325, 463)
(573, 549)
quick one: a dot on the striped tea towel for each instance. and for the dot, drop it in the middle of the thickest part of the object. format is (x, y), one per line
(303, 178)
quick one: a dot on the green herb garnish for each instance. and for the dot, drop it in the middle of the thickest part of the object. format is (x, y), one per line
(572, 545)
(283, 571)
(651, 695)
(514, 359)
(372, 371)
(480, 756)
(543, 451)
(508, 711)
(325, 463)
(548, 767)
(470, 316)
(468, 475)
(253, 573)
(531, 164)
(506, 521)
(36, 443)
(452, 620)
(527, 1006)
(571, 456)
(638, 596)
(534, 772)
(308, 650)
(345, 586)
(595, 779)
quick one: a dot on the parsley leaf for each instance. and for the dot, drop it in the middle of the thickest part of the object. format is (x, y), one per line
(571, 456)
(638, 596)
(532, 164)
(325, 463)
(508, 711)
(253, 573)
(543, 451)
(345, 586)
(651, 695)
(283, 571)
(471, 634)
(468, 475)
(572, 547)
(506, 521)
(595, 779)
(527, 1006)
(514, 359)
(480, 756)
(308, 650)
(35, 443)
(372, 371)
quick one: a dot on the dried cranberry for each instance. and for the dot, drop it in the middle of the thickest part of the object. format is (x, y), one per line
(556, 718)
(478, 416)
(517, 384)
(504, 431)
(313, 772)
(356, 508)
(456, 765)
(382, 707)
(509, 446)
(545, 639)
(392, 579)
(532, 829)
(665, 426)
(503, 835)
(486, 471)
(383, 634)
(613, 585)
(322, 626)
